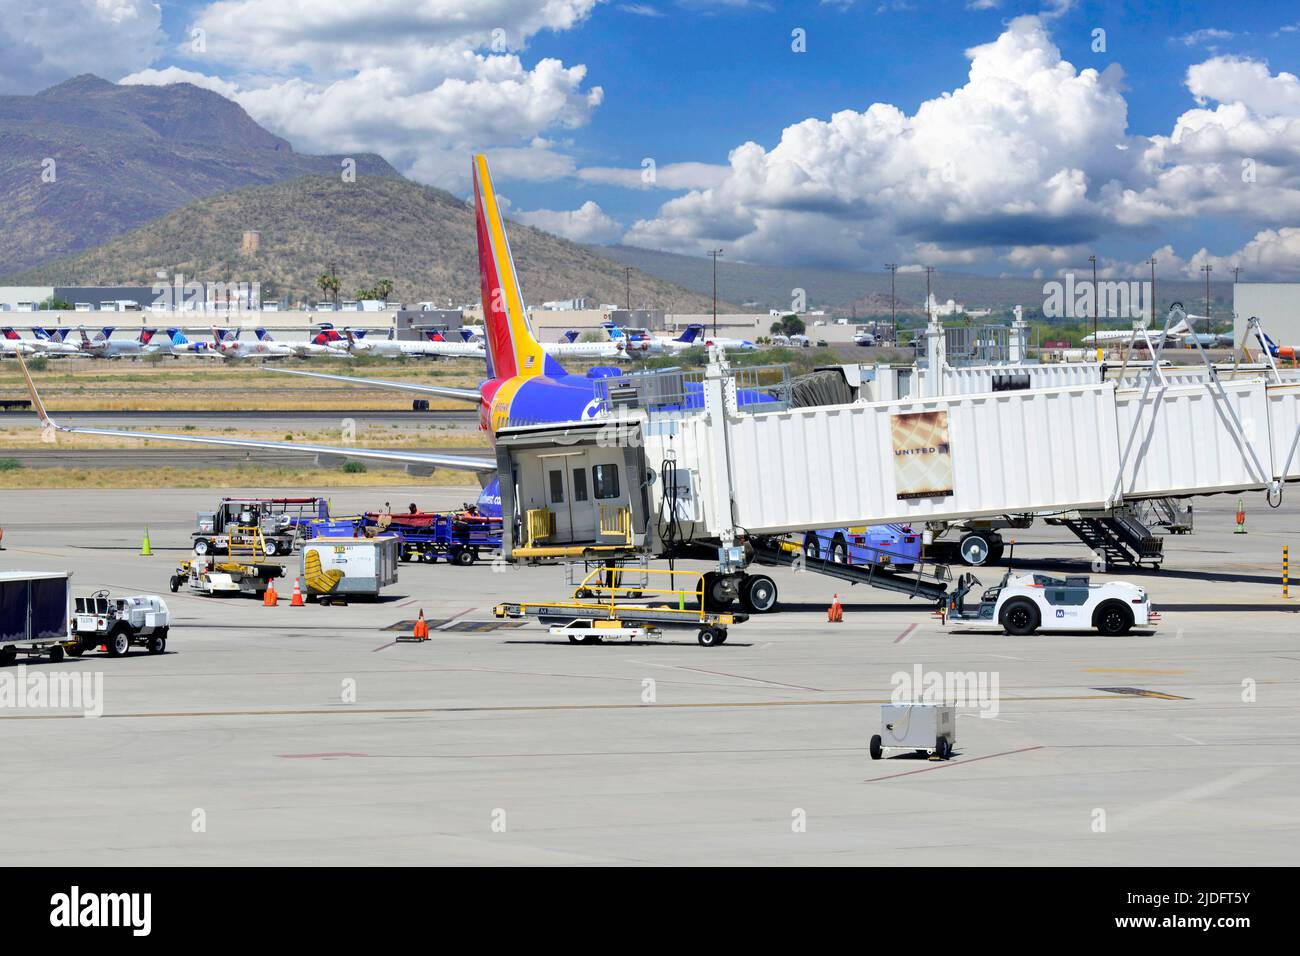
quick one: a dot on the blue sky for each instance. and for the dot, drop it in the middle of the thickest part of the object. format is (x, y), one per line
(1004, 141)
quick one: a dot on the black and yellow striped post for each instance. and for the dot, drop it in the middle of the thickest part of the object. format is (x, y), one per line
(1286, 572)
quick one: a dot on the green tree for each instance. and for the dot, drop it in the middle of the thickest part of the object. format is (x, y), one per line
(329, 284)
(383, 289)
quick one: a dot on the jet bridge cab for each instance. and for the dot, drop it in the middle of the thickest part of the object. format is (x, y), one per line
(575, 491)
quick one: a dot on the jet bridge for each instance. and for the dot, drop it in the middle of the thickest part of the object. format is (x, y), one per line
(719, 471)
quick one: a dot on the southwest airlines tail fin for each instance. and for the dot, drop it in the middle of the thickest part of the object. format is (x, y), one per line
(691, 333)
(512, 348)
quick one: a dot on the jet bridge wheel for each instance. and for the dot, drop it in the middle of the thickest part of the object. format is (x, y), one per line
(975, 549)
(758, 594)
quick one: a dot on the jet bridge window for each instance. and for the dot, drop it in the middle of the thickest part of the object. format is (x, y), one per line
(579, 484)
(605, 479)
(557, 487)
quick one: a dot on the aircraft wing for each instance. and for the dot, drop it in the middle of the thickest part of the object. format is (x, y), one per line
(453, 462)
(441, 391)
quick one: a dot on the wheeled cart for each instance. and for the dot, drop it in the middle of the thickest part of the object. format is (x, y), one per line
(923, 728)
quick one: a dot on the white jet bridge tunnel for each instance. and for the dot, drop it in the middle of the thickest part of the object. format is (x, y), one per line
(715, 466)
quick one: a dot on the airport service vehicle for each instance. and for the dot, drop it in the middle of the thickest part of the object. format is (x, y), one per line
(921, 728)
(103, 345)
(894, 546)
(583, 631)
(864, 339)
(117, 623)
(458, 537)
(35, 613)
(335, 569)
(1025, 603)
(205, 574)
(277, 524)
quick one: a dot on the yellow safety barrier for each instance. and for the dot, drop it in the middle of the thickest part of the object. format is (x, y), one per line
(247, 540)
(541, 525)
(616, 522)
(606, 583)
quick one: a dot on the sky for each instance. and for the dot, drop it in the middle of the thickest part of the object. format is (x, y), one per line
(986, 136)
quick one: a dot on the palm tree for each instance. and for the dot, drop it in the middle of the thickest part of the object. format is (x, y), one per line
(329, 284)
(383, 289)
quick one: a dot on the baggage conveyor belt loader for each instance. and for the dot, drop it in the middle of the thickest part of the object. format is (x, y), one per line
(615, 607)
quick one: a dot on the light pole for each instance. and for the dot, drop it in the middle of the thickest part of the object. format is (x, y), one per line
(1095, 303)
(1209, 323)
(929, 312)
(715, 253)
(1152, 263)
(893, 313)
(627, 275)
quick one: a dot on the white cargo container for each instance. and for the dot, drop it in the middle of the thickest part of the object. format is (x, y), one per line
(35, 611)
(349, 567)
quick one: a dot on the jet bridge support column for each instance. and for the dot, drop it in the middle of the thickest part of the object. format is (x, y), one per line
(936, 353)
(1018, 341)
(719, 403)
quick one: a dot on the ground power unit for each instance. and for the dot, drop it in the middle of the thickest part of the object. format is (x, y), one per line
(923, 728)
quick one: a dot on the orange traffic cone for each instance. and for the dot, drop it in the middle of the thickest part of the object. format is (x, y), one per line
(296, 600)
(421, 632)
(836, 613)
(270, 598)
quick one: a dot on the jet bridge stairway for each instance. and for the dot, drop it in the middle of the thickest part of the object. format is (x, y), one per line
(1118, 537)
(774, 552)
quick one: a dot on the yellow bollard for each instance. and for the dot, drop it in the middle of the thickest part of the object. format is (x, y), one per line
(1286, 575)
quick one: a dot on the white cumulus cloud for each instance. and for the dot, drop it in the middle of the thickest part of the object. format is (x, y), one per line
(45, 42)
(422, 82)
(587, 223)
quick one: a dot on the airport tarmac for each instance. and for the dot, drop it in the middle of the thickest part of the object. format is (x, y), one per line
(491, 745)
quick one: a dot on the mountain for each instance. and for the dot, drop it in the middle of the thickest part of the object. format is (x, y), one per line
(378, 227)
(88, 160)
(867, 293)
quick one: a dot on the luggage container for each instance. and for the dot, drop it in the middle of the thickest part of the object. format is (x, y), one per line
(35, 611)
(349, 567)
